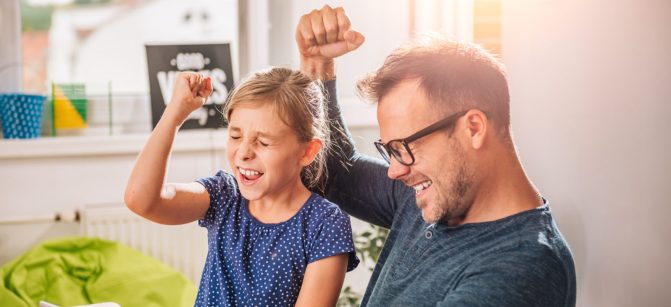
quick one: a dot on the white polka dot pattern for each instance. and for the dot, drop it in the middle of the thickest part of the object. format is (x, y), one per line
(250, 263)
(21, 115)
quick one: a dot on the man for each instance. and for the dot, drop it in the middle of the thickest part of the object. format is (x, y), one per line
(467, 227)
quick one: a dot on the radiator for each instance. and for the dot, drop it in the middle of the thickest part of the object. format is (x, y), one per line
(183, 247)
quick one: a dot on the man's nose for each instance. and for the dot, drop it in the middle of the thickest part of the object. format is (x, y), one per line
(396, 169)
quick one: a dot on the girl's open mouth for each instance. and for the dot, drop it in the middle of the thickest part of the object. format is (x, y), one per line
(249, 176)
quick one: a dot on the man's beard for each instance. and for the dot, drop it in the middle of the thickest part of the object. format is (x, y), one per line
(452, 204)
(455, 206)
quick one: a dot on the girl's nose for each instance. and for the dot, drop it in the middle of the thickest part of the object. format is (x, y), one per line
(245, 151)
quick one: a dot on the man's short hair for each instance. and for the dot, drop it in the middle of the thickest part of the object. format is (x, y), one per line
(456, 76)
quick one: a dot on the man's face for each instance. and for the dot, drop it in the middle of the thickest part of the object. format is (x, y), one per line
(440, 175)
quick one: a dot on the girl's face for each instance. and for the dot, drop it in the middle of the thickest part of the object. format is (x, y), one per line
(264, 154)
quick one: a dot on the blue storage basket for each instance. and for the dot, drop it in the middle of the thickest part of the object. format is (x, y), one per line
(21, 115)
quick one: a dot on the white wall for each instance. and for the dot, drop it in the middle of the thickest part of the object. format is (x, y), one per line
(590, 104)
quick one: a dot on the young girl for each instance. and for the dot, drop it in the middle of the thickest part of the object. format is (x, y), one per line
(271, 241)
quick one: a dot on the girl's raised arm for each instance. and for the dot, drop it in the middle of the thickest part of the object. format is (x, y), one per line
(147, 193)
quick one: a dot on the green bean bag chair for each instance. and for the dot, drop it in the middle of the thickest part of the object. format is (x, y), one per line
(79, 271)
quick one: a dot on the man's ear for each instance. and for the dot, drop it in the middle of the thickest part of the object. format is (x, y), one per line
(477, 127)
(311, 151)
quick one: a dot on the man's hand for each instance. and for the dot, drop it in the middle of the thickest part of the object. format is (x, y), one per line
(323, 35)
(190, 93)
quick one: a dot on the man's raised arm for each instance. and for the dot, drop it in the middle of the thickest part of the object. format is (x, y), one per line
(359, 184)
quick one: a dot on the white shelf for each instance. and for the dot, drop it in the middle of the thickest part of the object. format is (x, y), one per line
(78, 146)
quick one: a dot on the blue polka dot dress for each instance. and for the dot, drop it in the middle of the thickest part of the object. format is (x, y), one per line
(250, 263)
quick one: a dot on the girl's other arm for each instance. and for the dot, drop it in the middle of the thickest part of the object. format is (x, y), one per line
(147, 193)
(323, 281)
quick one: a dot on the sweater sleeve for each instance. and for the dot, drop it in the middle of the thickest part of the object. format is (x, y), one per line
(358, 183)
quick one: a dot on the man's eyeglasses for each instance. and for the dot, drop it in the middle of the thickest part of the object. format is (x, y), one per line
(399, 148)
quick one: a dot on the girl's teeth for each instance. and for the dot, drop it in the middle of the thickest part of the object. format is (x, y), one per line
(249, 172)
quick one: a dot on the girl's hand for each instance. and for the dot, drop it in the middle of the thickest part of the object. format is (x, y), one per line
(190, 92)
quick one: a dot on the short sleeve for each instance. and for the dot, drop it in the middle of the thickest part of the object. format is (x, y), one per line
(223, 191)
(334, 237)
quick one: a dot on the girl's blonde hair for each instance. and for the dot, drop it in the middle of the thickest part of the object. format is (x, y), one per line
(300, 104)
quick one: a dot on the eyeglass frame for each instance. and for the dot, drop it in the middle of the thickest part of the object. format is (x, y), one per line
(387, 154)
